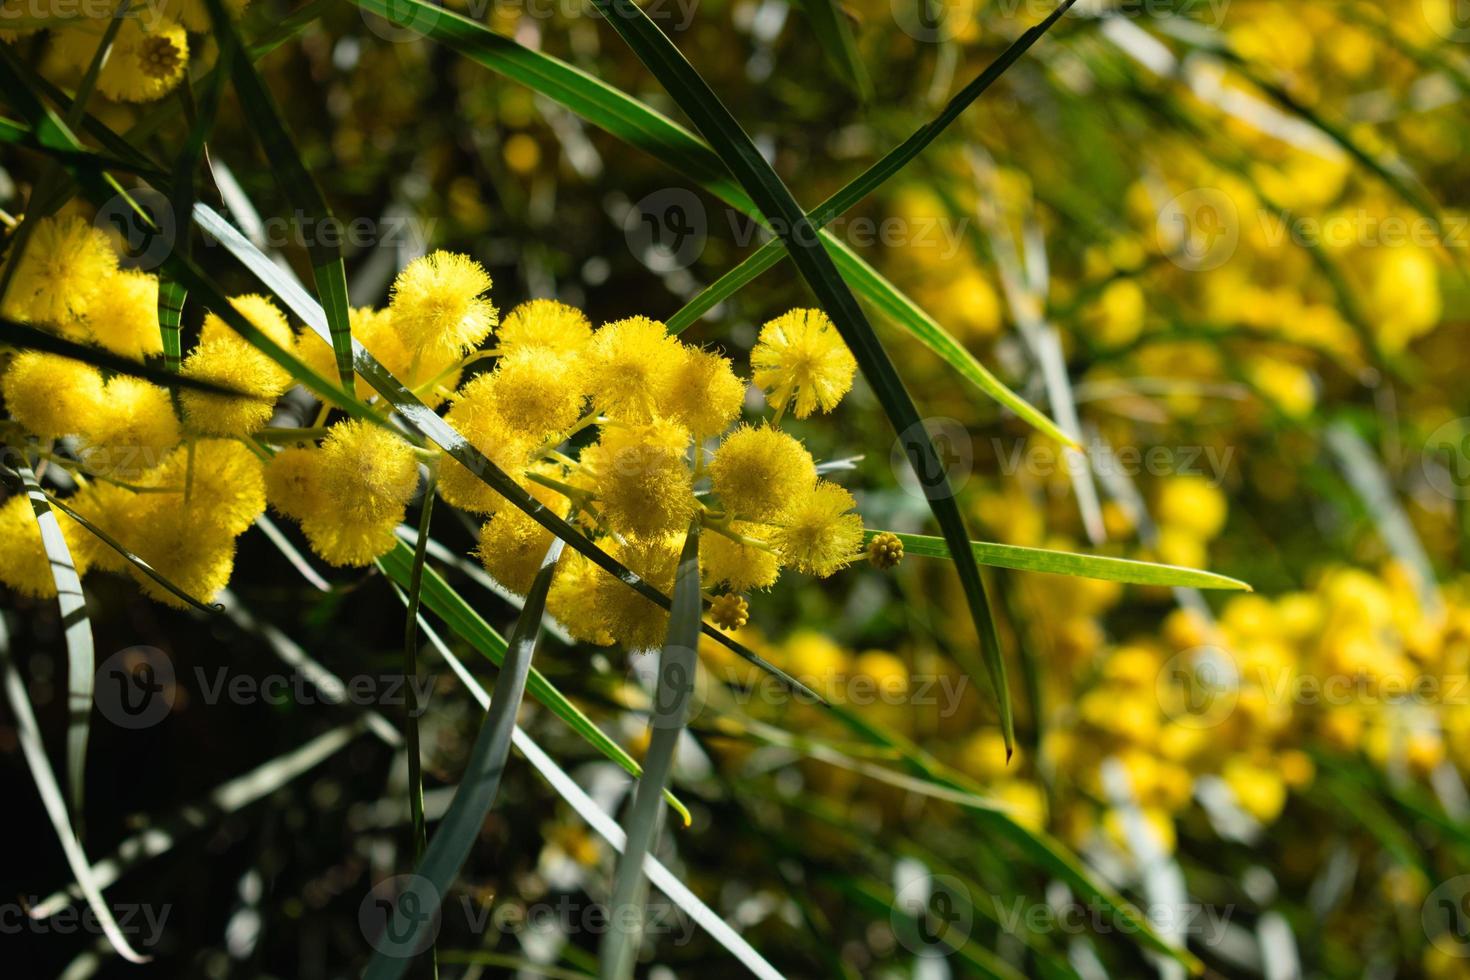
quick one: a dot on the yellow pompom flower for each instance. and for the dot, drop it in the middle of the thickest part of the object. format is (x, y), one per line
(705, 396)
(437, 305)
(817, 533)
(632, 366)
(196, 557)
(800, 355)
(545, 325)
(291, 486)
(641, 477)
(131, 430)
(535, 392)
(740, 567)
(124, 315)
(147, 59)
(49, 394)
(365, 476)
(757, 472)
(573, 598)
(260, 313)
(23, 562)
(635, 622)
(233, 364)
(64, 265)
(110, 508)
(223, 485)
(374, 330)
(513, 544)
(366, 472)
(500, 444)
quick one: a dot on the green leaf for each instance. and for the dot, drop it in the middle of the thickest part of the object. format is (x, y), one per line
(740, 155)
(660, 137)
(81, 655)
(441, 599)
(31, 746)
(171, 298)
(296, 183)
(1124, 570)
(474, 797)
(26, 337)
(599, 821)
(834, 34)
(676, 667)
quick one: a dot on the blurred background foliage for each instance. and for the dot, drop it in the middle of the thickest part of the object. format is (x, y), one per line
(1303, 397)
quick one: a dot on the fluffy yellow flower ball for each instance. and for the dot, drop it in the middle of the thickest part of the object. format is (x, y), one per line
(1192, 503)
(544, 325)
(641, 478)
(817, 533)
(537, 393)
(632, 367)
(231, 364)
(438, 306)
(48, 394)
(131, 430)
(65, 264)
(635, 622)
(23, 562)
(800, 356)
(147, 60)
(123, 317)
(512, 543)
(740, 567)
(757, 472)
(705, 395)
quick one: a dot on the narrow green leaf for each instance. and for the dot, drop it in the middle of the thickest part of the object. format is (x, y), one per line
(660, 137)
(81, 656)
(740, 155)
(474, 797)
(1124, 570)
(117, 546)
(29, 734)
(171, 298)
(411, 669)
(26, 337)
(676, 667)
(597, 818)
(296, 183)
(441, 599)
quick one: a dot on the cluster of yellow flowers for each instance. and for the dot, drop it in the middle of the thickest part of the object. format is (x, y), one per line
(150, 50)
(624, 430)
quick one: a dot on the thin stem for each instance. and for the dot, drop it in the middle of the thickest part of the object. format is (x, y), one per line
(289, 434)
(411, 670)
